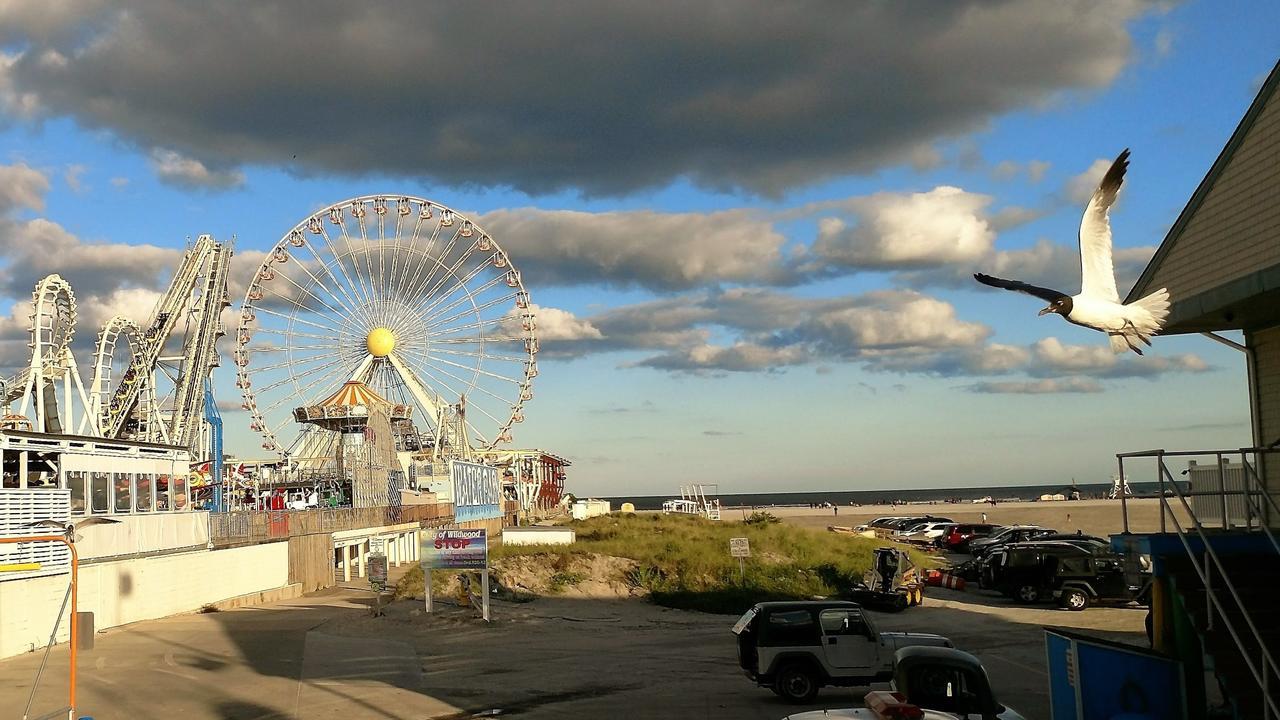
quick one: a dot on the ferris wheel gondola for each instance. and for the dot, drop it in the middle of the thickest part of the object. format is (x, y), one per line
(400, 293)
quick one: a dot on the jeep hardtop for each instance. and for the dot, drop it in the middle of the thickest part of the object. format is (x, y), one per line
(794, 648)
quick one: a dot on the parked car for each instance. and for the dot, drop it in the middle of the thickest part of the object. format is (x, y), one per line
(795, 648)
(960, 535)
(917, 525)
(942, 682)
(1008, 534)
(1076, 575)
(928, 533)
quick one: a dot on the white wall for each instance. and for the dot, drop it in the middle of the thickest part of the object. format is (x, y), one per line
(140, 589)
(538, 536)
(144, 533)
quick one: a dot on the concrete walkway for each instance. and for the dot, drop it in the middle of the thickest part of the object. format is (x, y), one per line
(273, 661)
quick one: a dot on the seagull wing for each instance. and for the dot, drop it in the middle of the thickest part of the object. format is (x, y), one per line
(53, 524)
(1017, 285)
(1097, 273)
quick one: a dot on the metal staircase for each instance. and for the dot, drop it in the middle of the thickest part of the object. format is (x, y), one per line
(1225, 578)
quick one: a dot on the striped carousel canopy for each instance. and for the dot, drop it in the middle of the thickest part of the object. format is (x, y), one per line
(349, 407)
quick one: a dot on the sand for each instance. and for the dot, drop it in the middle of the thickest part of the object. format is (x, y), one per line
(1092, 517)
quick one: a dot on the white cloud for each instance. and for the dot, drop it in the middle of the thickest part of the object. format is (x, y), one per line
(641, 248)
(119, 182)
(21, 187)
(555, 324)
(1079, 188)
(74, 177)
(1039, 387)
(888, 230)
(1036, 170)
(187, 172)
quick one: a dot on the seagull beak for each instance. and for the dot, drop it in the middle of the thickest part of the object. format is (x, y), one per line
(1047, 310)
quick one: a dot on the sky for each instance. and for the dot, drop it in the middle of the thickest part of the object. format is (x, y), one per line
(749, 228)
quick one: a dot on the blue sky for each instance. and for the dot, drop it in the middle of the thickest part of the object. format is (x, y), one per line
(751, 258)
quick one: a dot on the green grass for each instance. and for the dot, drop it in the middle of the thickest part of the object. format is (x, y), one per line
(684, 562)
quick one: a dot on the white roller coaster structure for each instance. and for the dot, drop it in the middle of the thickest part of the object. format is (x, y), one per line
(137, 391)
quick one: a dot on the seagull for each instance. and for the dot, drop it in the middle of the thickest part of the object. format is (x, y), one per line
(69, 528)
(1098, 304)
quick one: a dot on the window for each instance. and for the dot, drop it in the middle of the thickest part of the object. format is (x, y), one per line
(100, 492)
(142, 483)
(842, 622)
(164, 499)
(123, 483)
(950, 689)
(791, 627)
(75, 483)
(179, 491)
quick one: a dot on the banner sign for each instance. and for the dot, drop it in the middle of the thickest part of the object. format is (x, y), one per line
(477, 491)
(455, 550)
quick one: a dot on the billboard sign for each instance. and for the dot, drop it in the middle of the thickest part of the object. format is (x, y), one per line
(455, 550)
(477, 491)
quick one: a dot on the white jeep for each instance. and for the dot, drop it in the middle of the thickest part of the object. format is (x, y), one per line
(794, 648)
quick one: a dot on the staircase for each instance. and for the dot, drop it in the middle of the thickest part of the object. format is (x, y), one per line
(1227, 574)
(1253, 578)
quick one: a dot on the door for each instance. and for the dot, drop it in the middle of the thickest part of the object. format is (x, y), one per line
(1111, 583)
(847, 642)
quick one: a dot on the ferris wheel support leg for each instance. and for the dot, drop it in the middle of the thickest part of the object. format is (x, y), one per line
(418, 392)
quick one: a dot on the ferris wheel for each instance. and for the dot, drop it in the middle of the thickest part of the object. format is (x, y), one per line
(404, 295)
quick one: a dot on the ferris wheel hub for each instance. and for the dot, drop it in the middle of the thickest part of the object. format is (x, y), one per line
(380, 342)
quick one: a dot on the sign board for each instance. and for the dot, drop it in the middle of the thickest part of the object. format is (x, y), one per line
(1093, 678)
(477, 491)
(377, 545)
(739, 547)
(455, 550)
(378, 570)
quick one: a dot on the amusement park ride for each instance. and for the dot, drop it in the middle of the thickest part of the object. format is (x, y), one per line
(400, 296)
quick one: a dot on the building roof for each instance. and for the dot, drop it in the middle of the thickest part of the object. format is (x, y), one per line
(1221, 259)
(354, 392)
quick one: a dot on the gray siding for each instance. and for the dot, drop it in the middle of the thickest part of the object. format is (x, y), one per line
(1236, 229)
(1266, 369)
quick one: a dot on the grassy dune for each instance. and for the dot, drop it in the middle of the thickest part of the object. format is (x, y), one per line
(684, 562)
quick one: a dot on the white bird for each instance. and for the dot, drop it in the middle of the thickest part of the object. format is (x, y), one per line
(69, 528)
(1098, 304)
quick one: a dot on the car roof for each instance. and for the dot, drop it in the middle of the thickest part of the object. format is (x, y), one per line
(919, 654)
(776, 604)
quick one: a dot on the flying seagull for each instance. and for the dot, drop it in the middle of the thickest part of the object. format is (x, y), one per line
(1098, 304)
(69, 528)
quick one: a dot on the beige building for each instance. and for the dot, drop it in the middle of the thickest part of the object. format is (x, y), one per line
(1221, 260)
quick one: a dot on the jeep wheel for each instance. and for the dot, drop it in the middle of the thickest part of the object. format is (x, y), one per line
(796, 684)
(1027, 594)
(1073, 599)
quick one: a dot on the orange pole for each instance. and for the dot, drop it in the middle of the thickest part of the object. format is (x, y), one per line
(75, 572)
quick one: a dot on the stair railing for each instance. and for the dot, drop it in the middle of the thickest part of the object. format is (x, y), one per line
(1266, 667)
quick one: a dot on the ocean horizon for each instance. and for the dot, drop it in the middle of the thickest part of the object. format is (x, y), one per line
(1003, 493)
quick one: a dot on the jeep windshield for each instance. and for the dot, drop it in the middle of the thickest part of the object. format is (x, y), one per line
(744, 622)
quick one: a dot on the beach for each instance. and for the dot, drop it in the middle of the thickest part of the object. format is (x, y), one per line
(1091, 517)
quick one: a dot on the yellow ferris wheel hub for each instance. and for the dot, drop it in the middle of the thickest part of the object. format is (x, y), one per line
(381, 341)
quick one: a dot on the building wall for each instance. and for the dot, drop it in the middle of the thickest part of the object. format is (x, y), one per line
(1266, 380)
(1236, 230)
(127, 591)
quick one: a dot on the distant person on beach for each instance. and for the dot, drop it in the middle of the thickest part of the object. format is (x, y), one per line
(984, 517)
(836, 508)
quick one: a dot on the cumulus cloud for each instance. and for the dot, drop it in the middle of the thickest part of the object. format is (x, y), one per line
(1039, 387)
(667, 251)
(21, 187)
(1047, 264)
(556, 325)
(1053, 358)
(944, 225)
(650, 98)
(1079, 188)
(187, 172)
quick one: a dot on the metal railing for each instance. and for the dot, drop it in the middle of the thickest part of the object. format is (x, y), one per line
(256, 526)
(1259, 505)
